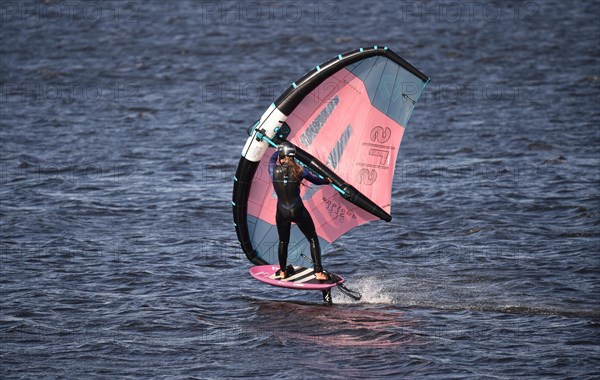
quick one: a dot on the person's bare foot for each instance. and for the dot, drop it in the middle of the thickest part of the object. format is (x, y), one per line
(281, 274)
(320, 276)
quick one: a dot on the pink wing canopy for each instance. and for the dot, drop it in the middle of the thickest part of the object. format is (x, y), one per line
(360, 140)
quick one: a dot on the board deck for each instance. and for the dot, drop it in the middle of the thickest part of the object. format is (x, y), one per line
(304, 278)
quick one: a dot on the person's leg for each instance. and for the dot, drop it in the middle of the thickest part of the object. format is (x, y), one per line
(284, 224)
(315, 253)
(307, 226)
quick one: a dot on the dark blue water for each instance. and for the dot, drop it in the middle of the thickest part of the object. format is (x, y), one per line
(121, 126)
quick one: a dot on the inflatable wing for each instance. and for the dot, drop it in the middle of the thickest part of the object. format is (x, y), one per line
(346, 117)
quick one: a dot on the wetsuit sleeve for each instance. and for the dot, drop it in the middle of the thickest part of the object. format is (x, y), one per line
(272, 163)
(314, 179)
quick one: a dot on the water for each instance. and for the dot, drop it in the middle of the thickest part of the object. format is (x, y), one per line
(121, 126)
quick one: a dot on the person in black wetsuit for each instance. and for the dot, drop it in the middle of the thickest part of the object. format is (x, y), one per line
(287, 178)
